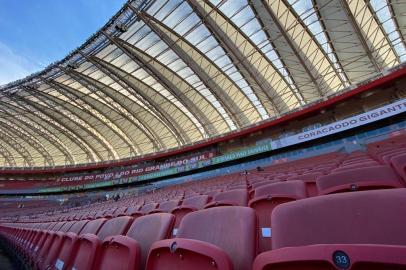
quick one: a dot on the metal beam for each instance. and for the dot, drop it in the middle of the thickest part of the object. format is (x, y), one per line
(299, 33)
(106, 93)
(18, 147)
(192, 99)
(359, 34)
(69, 117)
(8, 157)
(371, 30)
(124, 83)
(122, 80)
(272, 88)
(33, 142)
(92, 107)
(400, 20)
(28, 125)
(38, 111)
(201, 67)
(133, 53)
(295, 63)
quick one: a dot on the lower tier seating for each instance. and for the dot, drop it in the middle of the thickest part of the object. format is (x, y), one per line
(353, 230)
(333, 211)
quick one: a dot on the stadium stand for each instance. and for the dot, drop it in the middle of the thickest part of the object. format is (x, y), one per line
(200, 135)
(283, 226)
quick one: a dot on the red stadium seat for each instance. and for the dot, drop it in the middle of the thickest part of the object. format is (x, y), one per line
(148, 208)
(115, 226)
(133, 210)
(236, 197)
(66, 226)
(40, 257)
(78, 226)
(310, 181)
(51, 227)
(377, 177)
(189, 205)
(343, 168)
(109, 212)
(266, 199)
(362, 230)
(83, 258)
(167, 206)
(399, 163)
(218, 237)
(80, 253)
(130, 251)
(386, 157)
(332, 257)
(93, 226)
(64, 254)
(118, 253)
(58, 226)
(53, 251)
(121, 211)
(148, 229)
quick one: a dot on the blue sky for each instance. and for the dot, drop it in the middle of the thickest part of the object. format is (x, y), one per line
(35, 33)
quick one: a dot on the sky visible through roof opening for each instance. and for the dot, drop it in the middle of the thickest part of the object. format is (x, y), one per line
(34, 34)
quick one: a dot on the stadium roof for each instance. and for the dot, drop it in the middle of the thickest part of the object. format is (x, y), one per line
(165, 74)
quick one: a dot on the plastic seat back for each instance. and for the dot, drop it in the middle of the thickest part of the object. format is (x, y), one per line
(66, 226)
(115, 226)
(168, 206)
(197, 202)
(87, 249)
(366, 217)
(78, 226)
(53, 251)
(118, 253)
(266, 199)
(220, 237)
(150, 228)
(58, 226)
(237, 197)
(354, 231)
(399, 163)
(69, 243)
(189, 205)
(376, 177)
(132, 210)
(93, 226)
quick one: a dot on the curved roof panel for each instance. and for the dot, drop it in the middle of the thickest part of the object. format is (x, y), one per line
(165, 74)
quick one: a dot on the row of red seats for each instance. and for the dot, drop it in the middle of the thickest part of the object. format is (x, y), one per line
(357, 230)
(265, 193)
(349, 174)
(264, 198)
(303, 168)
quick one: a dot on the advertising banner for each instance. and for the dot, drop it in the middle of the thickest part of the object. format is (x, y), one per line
(139, 170)
(243, 153)
(383, 112)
